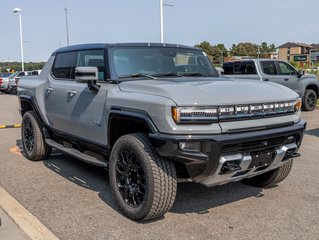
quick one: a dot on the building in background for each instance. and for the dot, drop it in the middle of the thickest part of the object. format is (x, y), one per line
(314, 53)
(299, 52)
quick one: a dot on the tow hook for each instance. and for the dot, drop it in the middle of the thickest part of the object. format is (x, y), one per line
(230, 167)
(291, 154)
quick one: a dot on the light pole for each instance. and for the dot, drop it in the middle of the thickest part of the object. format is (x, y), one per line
(161, 18)
(19, 10)
(67, 25)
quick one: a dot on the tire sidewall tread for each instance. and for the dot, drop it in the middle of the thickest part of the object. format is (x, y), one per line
(160, 178)
(307, 93)
(41, 150)
(271, 178)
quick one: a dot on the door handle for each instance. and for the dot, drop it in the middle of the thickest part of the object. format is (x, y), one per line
(71, 92)
(286, 79)
(266, 80)
(48, 90)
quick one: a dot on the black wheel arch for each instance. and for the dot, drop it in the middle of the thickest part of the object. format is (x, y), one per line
(313, 87)
(122, 122)
(27, 104)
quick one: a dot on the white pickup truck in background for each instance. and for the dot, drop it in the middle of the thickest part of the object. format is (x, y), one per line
(281, 72)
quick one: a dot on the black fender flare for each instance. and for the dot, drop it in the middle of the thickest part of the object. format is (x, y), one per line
(130, 115)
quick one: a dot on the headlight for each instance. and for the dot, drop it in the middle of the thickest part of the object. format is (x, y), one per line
(211, 114)
(195, 114)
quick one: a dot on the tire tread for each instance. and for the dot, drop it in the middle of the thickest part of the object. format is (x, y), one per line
(42, 150)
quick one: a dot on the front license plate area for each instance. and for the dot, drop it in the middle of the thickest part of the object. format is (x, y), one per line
(262, 159)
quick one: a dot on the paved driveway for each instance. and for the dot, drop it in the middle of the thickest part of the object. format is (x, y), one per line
(74, 200)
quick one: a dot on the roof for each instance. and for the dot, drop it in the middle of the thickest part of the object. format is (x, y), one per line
(293, 44)
(91, 46)
(315, 46)
(252, 59)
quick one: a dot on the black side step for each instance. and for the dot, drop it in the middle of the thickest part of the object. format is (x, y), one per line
(76, 153)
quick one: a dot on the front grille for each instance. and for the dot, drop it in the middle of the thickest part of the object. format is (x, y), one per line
(259, 145)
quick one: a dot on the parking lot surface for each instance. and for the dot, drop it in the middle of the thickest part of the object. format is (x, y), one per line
(74, 201)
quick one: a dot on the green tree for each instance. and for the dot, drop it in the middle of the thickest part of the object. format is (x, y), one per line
(264, 49)
(220, 53)
(16, 66)
(215, 53)
(208, 48)
(244, 49)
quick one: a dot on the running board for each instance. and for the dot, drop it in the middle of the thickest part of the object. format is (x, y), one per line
(77, 154)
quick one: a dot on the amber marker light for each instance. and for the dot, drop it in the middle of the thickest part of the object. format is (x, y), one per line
(176, 114)
(297, 104)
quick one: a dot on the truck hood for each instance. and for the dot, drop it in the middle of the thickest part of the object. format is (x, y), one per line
(210, 91)
(309, 75)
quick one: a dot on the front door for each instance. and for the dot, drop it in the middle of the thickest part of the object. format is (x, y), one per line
(288, 76)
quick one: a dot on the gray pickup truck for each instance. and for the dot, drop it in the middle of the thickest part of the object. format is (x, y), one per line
(306, 85)
(156, 114)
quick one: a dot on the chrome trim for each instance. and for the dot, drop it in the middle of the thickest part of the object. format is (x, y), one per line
(217, 179)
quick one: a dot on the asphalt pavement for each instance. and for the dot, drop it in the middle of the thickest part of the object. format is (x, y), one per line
(74, 200)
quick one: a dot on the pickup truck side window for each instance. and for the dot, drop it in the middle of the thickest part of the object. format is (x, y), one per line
(63, 66)
(286, 69)
(268, 67)
(92, 58)
(245, 67)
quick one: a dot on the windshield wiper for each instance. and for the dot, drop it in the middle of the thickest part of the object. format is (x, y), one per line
(136, 75)
(193, 74)
(168, 74)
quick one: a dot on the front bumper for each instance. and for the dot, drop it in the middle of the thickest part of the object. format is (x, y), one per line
(232, 157)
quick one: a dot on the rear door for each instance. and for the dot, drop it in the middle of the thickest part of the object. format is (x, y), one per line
(270, 72)
(241, 70)
(59, 81)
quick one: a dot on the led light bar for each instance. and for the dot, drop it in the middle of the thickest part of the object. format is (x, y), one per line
(195, 114)
(212, 114)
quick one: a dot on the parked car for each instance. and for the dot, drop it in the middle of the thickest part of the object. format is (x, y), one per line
(12, 86)
(153, 114)
(276, 71)
(4, 82)
(27, 73)
(313, 69)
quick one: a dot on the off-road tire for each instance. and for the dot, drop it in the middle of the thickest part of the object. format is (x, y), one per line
(40, 150)
(160, 178)
(308, 104)
(272, 178)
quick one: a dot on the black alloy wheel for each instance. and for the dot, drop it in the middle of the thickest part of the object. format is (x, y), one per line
(130, 178)
(143, 184)
(28, 136)
(34, 145)
(310, 100)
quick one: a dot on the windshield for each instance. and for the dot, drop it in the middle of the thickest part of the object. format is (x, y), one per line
(156, 62)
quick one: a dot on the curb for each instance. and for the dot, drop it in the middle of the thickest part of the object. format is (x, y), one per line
(28, 223)
(10, 126)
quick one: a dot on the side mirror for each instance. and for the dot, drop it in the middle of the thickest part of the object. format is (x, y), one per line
(300, 73)
(86, 74)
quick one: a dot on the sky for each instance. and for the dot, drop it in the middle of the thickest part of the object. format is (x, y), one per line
(188, 22)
